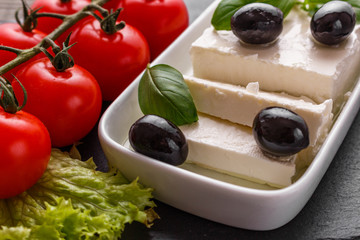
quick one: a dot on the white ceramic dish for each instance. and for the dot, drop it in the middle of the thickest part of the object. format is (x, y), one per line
(189, 189)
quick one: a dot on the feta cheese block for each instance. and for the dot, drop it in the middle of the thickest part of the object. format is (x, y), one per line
(231, 148)
(295, 63)
(240, 105)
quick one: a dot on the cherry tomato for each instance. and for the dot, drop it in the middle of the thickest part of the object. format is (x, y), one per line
(161, 21)
(67, 7)
(68, 103)
(115, 60)
(25, 152)
(12, 35)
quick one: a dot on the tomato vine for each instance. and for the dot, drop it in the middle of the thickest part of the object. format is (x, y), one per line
(68, 21)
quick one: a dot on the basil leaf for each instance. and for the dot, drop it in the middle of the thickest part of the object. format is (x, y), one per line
(163, 92)
(284, 6)
(225, 10)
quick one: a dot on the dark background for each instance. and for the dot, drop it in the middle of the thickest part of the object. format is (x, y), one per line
(333, 211)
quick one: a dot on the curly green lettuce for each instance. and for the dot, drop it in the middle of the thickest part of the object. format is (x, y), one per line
(74, 201)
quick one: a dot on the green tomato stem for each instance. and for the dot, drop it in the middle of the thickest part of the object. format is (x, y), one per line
(97, 7)
(53, 15)
(68, 21)
(11, 49)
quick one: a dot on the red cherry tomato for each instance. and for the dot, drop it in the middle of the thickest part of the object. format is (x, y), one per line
(68, 103)
(12, 35)
(115, 60)
(161, 21)
(25, 152)
(48, 24)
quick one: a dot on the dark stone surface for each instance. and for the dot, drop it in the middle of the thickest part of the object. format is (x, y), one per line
(333, 211)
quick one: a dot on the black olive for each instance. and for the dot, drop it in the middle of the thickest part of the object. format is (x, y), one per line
(158, 138)
(280, 132)
(257, 23)
(333, 22)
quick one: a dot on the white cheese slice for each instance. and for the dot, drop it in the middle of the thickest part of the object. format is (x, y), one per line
(230, 148)
(240, 105)
(294, 64)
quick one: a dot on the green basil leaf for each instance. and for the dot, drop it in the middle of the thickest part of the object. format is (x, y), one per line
(163, 92)
(284, 6)
(225, 10)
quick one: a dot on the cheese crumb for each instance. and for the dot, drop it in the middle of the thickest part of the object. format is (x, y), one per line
(253, 87)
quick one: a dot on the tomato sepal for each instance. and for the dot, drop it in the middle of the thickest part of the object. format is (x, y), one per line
(62, 59)
(109, 21)
(8, 101)
(29, 18)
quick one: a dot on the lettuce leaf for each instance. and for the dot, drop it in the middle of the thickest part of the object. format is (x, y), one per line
(14, 233)
(73, 201)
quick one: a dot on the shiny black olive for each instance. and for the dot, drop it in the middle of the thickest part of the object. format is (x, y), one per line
(333, 22)
(158, 138)
(257, 23)
(280, 132)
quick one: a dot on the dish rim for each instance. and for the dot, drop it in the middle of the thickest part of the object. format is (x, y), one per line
(314, 172)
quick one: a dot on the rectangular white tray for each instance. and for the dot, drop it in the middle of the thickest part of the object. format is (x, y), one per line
(242, 205)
